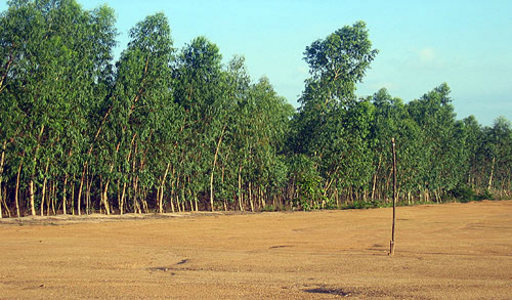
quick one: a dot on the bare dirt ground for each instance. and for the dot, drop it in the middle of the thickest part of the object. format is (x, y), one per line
(459, 251)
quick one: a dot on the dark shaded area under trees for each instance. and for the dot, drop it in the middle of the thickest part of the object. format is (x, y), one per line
(167, 130)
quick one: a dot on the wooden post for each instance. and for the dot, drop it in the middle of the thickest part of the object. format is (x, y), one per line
(392, 242)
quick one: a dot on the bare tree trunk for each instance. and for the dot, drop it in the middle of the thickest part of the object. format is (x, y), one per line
(136, 205)
(16, 194)
(262, 197)
(2, 161)
(161, 189)
(395, 196)
(54, 197)
(64, 190)
(31, 182)
(183, 198)
(240, 195)
(104, 197)
(121, 202)
(177, 193)
(49, 200)
(224, 204)
(73, 196)
(374, 186)
(4, 202)
(250, 197)
(336, 194)
(171, 200)
(32, 191)
(143, 200)
(80, 188)
(213, 167)
(88, 185)
(45, 180)
(489, 185)
(190, 196)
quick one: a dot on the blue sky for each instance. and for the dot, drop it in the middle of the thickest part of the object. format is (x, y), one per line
(467, 44)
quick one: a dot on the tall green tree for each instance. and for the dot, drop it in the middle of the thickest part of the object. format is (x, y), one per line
(140, 94)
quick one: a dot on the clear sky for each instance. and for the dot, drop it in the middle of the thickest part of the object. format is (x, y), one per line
(467, 44)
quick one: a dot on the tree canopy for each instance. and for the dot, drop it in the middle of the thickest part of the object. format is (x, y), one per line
(165, 129)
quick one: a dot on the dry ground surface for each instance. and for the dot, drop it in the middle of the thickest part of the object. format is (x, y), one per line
(459, 251)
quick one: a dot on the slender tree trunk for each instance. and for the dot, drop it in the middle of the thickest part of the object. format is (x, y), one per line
(178, 193)
(493, 163)
(395, 196)
(32, 176)
(104, 197)
(73, 196)
(161, 189)
(375, 176)
(64, 191)
(31, 188)
(88, 185)
(171, 200)
(121, 202)
(190, 198)
(136, 206)
(261, 198)
(213, 166)
(250, 197)
(143, 197)
(16, 193)
(1, 199)
(4, 201)
(49, 199)
(183, 198)
(43, 191)
(54, 197)
(118, 192)
(240, 195)
(337, 196)
(2, 161)
(80, 188)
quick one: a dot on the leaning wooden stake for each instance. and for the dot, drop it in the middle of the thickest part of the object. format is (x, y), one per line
(392, 242)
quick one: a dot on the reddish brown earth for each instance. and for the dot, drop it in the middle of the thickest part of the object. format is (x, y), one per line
(459, 251)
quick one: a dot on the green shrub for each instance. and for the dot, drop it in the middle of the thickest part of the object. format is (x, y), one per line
(485, 195)
(463, 193)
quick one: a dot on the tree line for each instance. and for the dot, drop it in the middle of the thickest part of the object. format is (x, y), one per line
(170, 130)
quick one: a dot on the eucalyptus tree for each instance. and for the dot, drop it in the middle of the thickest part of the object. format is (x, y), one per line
(345, 151)
(201, 90)
(270, 119)
(392, 120)
(51, 55)
(434, 113)
(473, 138)
(20, 82)
(141, 90)
(261, 125)
(497, 155)
(232, 151)
(101, 35)
(337, 64)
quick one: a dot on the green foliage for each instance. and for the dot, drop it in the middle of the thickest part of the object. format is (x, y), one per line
(463, 193)
(171, 130)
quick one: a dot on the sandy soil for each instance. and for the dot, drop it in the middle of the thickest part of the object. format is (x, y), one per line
(459, 251)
